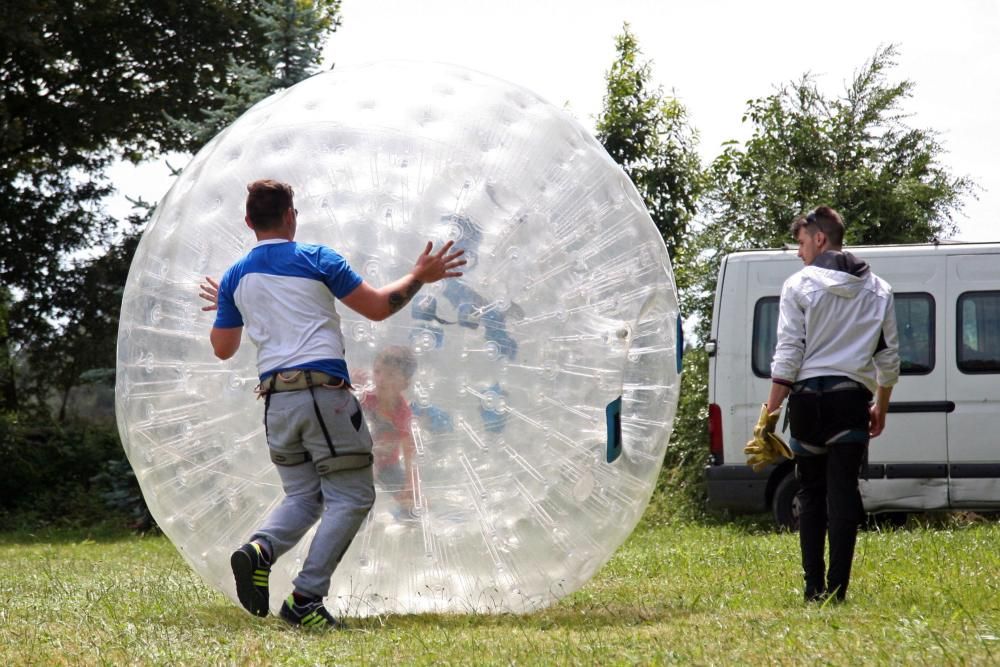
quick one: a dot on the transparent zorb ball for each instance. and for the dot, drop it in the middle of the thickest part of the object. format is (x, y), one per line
(545, 380)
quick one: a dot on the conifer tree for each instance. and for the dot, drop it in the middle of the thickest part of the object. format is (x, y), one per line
(295, 32)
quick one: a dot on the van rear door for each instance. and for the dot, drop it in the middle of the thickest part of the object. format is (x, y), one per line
(908, 463)
(974, 380)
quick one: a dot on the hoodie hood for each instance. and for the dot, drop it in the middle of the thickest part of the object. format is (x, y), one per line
(840, 273)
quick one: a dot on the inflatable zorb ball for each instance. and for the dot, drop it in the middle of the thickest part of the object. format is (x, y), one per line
(545, 381)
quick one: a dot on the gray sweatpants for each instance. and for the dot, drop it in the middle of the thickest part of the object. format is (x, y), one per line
(340, 501)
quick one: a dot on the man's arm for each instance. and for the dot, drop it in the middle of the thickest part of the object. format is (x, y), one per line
(378, 303)
(225, 341)
(887, 365)
(779, 392)
(878, 411)
(887, 362)
(789, 350)
(791, 344)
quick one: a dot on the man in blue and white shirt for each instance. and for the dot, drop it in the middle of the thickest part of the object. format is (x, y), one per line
(284, 294)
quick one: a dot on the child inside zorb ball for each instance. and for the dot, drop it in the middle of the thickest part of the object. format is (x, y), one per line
(389, 416)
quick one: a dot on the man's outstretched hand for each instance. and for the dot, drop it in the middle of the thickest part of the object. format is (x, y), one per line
(209, 292)
(431, 268)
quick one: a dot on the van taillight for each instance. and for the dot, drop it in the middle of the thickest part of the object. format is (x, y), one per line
(715, 433)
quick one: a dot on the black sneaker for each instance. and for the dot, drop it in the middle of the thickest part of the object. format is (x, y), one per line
(311, 614)
(251, 572)
(814, 594)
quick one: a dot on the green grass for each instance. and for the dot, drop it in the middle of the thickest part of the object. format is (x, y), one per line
(680, 592)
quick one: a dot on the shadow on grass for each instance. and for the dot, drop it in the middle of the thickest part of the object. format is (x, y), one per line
(229, 618)
(660, 514)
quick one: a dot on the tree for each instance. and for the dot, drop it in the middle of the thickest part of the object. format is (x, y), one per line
(294, 31)
(80, 348)
(81, 83)
(648, 134)
(854, 152)
(85, 83)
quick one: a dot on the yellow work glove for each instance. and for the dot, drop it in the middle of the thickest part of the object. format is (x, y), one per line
(766, 447)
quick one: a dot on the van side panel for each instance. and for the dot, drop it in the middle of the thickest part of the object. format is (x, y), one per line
(731, 351)
(908, 462)
(733, 484)
(974, 425)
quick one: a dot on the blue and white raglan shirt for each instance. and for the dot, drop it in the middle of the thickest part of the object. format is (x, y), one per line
(285, 294)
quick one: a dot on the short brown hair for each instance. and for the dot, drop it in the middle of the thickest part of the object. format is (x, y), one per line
(267, 201)
(824, 219)
(401, 358)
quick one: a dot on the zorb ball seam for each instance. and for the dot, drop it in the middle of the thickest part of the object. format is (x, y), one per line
(527, 471)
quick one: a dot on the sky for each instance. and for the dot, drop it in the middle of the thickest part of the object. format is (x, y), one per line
(714, 55)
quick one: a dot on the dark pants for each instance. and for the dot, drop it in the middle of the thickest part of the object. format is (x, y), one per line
(829, 498)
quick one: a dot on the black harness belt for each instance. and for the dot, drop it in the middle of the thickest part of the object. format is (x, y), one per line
(307, 379)
(325, 465)
(816, 414)
(299, 380)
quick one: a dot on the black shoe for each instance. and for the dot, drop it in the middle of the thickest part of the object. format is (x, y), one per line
(251, 572)
(813, 595)
(836, 593)
(311, 614)
(825, 598)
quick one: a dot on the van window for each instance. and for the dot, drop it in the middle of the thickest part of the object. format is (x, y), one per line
(914, 320)
(765, 335)
(979, 328)
(915, 324)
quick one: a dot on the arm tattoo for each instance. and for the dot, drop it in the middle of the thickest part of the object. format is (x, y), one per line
(399, 299)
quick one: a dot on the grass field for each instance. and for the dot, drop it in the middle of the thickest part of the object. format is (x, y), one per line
(679, 592)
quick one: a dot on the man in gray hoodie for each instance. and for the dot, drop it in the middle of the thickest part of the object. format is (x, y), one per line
(837, 348)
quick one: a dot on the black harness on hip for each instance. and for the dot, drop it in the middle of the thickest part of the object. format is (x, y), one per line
(297, 381)
(820, 408)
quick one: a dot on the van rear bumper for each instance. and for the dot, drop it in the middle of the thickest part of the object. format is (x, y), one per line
(737, 488)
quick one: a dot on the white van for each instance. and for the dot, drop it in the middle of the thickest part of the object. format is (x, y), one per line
(941, 446)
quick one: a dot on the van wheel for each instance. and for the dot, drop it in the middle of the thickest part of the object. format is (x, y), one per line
(784, 504)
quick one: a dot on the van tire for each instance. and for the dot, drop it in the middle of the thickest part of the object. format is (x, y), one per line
(784, 506)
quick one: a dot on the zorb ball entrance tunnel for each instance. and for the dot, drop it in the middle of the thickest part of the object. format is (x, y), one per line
(546, 377)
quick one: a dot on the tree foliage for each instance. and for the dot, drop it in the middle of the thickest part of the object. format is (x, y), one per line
(80, 348)
(294, 33)
(80, 84)
(854, 152)
(86, 83)
(648, 134)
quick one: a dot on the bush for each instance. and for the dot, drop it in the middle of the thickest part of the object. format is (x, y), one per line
(53, 472)
(681, 486)
(122, 494)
